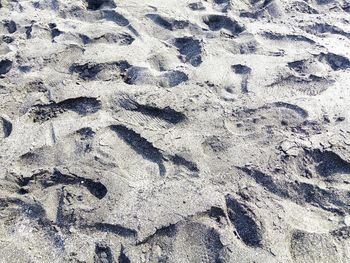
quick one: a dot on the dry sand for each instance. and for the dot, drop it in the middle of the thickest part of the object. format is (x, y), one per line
(175, 131)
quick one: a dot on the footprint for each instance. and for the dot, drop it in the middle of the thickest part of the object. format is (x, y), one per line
(166, 23)
(263, 121)
(46, 179)
(245, 222)
(11, 26)
(103, 254)
(141, 146)
(244, 71)
(111, 15)
(311, 76)
(191, 50)
(222, 5)
(314, 248)
(287, 37)
(166, 114)
(63, 59)
(310, 84)
(123, 39)
(5, 66)
(114, 229)
(197, 243)
(329, 163)
(55, 32)
(197, 6)
(314, 64)
(303, 7)
(100, 4)
(330, 199)
(6, 128)
(218, 22)
(144, 76)
(123, 257)
(100, 71)
(83, 106)
(325, 165)
(263, 8)
(191, 242)
(336, 62)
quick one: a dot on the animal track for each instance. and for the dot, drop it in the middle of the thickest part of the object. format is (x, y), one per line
(215, 144)
(141, 146)
(191, 50)
(7, 39)
(82, 105)
(342, 233)
(243, 220)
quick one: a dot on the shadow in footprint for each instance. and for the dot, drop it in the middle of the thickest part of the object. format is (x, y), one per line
(103, 254)
(46, 179)
(191, 50)
(99, 4)
(140, 145)
(243, 220)
(169, 24)
(218, 22)
(5, 66)
(83, 106)
(6, 126)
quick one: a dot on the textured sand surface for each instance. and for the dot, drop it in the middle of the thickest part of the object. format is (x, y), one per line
(175, 131)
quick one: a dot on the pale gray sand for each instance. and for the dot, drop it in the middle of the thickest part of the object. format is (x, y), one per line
(175, 131)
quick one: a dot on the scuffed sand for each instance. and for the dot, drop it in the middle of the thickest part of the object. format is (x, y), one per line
(175, 131)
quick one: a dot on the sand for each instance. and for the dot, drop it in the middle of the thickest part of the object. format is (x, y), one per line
(174, 131)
